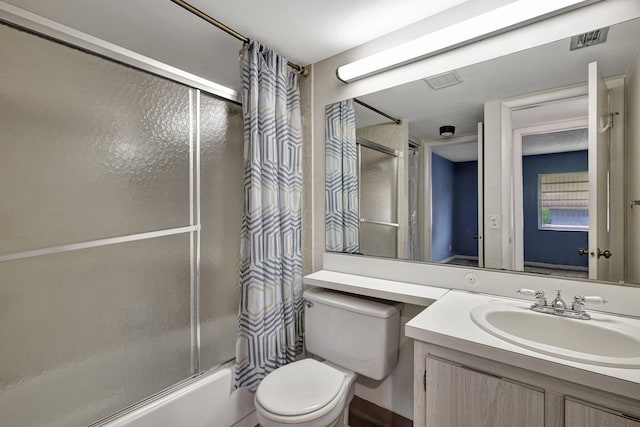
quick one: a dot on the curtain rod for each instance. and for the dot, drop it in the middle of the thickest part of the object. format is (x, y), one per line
(302, 70)
(374, 109)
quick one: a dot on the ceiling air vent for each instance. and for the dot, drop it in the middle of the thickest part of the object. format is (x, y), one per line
(443, 80)
(589, 39)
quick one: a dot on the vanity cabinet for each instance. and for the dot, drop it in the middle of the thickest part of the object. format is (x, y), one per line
(579, 414)
(459, 396)
(457, 389)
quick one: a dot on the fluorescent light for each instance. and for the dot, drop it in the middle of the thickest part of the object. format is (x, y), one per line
(496, 21)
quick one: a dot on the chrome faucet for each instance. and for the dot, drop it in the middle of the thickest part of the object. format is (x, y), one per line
(559, 307)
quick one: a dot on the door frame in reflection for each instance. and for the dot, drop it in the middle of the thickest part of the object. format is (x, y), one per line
(427, 151)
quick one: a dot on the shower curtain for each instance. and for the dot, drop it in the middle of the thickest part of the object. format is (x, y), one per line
(341, 183)
(270, 312)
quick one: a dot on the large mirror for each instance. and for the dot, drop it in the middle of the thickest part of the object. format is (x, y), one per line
(533, 177)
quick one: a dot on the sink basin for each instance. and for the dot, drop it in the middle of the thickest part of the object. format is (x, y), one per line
(603, 340)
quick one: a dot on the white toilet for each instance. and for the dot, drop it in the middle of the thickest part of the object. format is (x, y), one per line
(353, 335)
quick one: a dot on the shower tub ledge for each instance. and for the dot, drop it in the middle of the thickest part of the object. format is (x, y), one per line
(209, 401)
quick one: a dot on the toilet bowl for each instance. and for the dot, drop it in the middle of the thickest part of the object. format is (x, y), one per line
(355, 336)
(306, 393)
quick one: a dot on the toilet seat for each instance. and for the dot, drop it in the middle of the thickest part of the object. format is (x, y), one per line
(306, 392)
(300, 388)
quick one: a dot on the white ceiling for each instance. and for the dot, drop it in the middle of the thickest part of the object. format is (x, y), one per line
(457, 152)
(305, 31)
(308, 31)
(566, 109)
(534, 143)
(529, 71)
(555, 142)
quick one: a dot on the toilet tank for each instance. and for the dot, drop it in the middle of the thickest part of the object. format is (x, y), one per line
(358, 333)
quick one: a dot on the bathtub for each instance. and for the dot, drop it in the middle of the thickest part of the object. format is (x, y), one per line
(210, 401)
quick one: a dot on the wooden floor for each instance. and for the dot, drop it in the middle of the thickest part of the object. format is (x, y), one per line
(365, 414)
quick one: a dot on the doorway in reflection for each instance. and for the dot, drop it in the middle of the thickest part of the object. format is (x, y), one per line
(454, 203)
(556, 203)
(551, 145)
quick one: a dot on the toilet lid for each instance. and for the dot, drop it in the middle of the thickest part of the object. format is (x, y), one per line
(299, 388)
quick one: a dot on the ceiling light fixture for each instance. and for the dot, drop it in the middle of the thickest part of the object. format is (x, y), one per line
(500, 20)
(447, 130)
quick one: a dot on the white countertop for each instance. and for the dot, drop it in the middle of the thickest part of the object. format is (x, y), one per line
(447, 323)
(379, 288)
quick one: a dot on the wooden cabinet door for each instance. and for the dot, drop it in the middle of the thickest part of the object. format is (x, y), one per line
(577, 414)
(462, 397)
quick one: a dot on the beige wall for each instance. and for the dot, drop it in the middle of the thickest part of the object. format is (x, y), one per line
(633, 171)
(327, 89)
(396, 391)
(306, 112)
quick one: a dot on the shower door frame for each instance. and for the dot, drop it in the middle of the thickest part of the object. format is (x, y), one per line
(58, 33)
(31, 22)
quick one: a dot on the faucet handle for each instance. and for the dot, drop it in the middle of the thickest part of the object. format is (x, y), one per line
(541, 301)
(592, 299)
(578, 307)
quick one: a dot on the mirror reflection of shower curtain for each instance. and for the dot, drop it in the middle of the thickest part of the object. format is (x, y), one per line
(378, 173)
(414, 175)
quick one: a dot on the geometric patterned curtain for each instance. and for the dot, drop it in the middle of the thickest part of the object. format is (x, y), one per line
(270, 313)
(341, 178)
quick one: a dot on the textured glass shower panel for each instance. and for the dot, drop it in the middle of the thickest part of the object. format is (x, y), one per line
(87, 333)
(221, 189)
(89, 148)
(378, 202)
(378, 185)
(378, 240)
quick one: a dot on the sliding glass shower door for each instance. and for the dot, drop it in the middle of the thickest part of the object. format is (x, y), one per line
(378, 188)
(119, 232)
